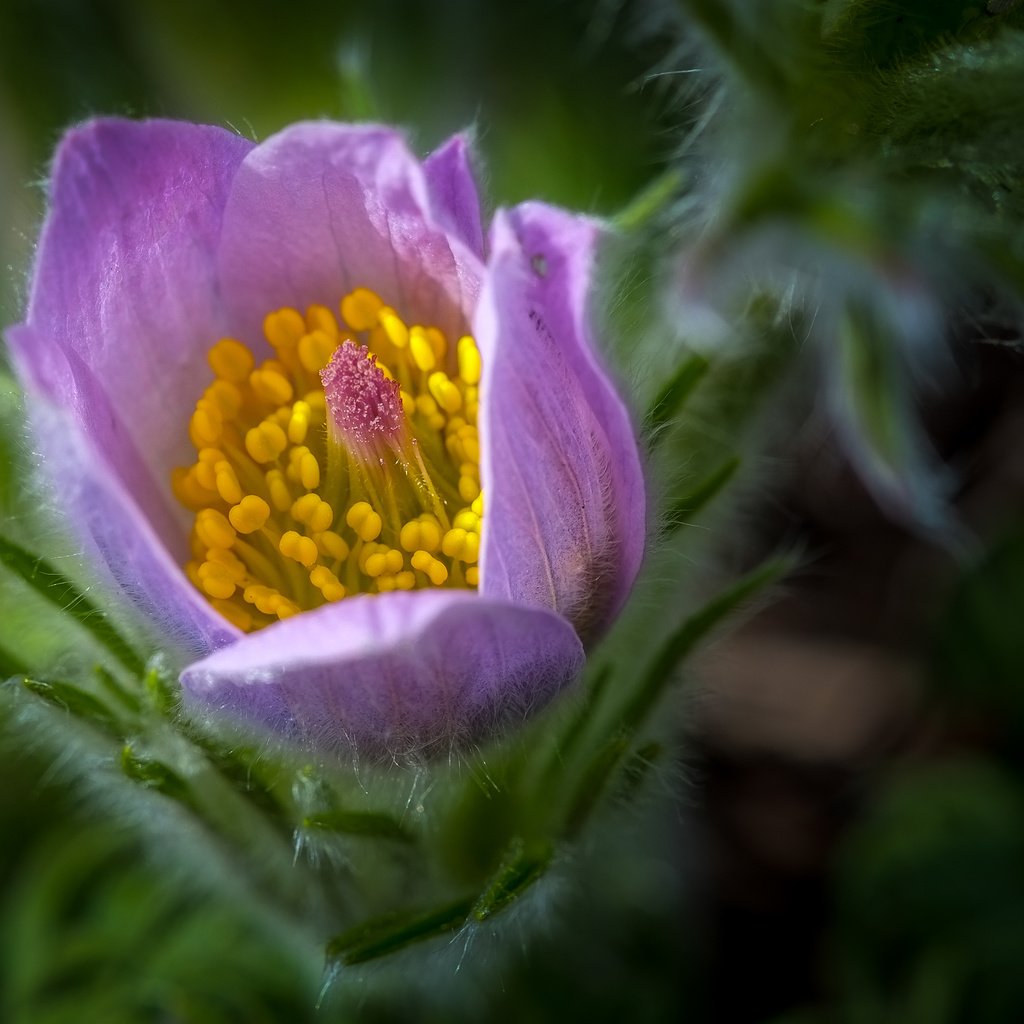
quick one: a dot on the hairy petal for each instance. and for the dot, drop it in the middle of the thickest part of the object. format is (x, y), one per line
(117, 538)
(566, 517)
(125, 296)
(396, 673)
(322, 208)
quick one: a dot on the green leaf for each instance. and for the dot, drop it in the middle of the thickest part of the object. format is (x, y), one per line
(524, 863)
(75, 701)
(154, 775)
(392, 932)
(373, 824)
(51, 584)
(682, 641)
(11, 665)
(595, 779)
(114, 687)
(651, 202)
(682, 510)
(673, 395)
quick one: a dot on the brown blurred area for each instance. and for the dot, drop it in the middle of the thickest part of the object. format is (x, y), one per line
(802, 710)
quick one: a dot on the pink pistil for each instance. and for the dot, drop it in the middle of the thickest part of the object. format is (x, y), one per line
(365, 406)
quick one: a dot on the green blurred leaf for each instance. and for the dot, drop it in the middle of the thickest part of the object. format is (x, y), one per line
(660, 672)
(393, 932)
(77, 702)
(372, 824)
(47, 581)
(524, 863)
(673, 395)
(682, 511)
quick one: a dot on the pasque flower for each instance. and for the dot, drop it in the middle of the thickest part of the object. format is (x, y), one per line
(360, 464)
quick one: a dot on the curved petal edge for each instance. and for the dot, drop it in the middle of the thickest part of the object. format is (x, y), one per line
(566, 509)
(397, 674)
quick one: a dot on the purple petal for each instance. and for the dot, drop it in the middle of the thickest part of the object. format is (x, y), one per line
(323, 208)
(397, 673)
(125, 302)
(565, 509)
(117, 536)
(453, 190)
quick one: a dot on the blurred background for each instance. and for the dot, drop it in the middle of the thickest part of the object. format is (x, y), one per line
(820, 200)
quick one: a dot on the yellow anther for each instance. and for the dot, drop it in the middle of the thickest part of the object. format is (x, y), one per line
(470, 440)
(280, 496)
(467, 519)
(309, 471)
(383, 560)
(228, 486)
(426, 406)
(332, 544)
(360, 309)
(249, 514)
(469, 360)
(298, 422)
(316, 402)
(271, 385)
(421, 533)
(226, 397)
(453, 543)
(320, 318)
(300, 549)
(405, 580)
(469, 487)
(473, 576)
(435, 571)
(327, 583)
(216, 580)
(187, 488)
(478, 505)
(214, 529)
(192, 572)
(226, 558)
(438, 342)
(266, 599)
(284, 327)
(303, 508)
(385, 584)
(445, 393)
(206, 424)
(366, 523)
(230, 360)
(421, 350)
(312, 510)
(316, 349)
(286, 609)
(236, 615)
(408, 403)
(265, 442)
(394, 327)
(206, 467)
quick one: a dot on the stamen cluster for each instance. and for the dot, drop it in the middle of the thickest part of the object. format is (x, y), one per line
(348, 463)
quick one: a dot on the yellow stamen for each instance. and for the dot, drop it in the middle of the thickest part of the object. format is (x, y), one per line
(289, 517)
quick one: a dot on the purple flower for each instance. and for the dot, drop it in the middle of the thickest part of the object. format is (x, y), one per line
(226, 489)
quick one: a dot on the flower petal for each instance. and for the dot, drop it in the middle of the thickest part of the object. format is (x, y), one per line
(397, 673)
(117, 536)
(453, 190)
(125, 298)
(322, 208)
(565, 509)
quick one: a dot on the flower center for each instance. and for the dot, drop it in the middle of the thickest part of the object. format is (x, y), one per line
(348, 464)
